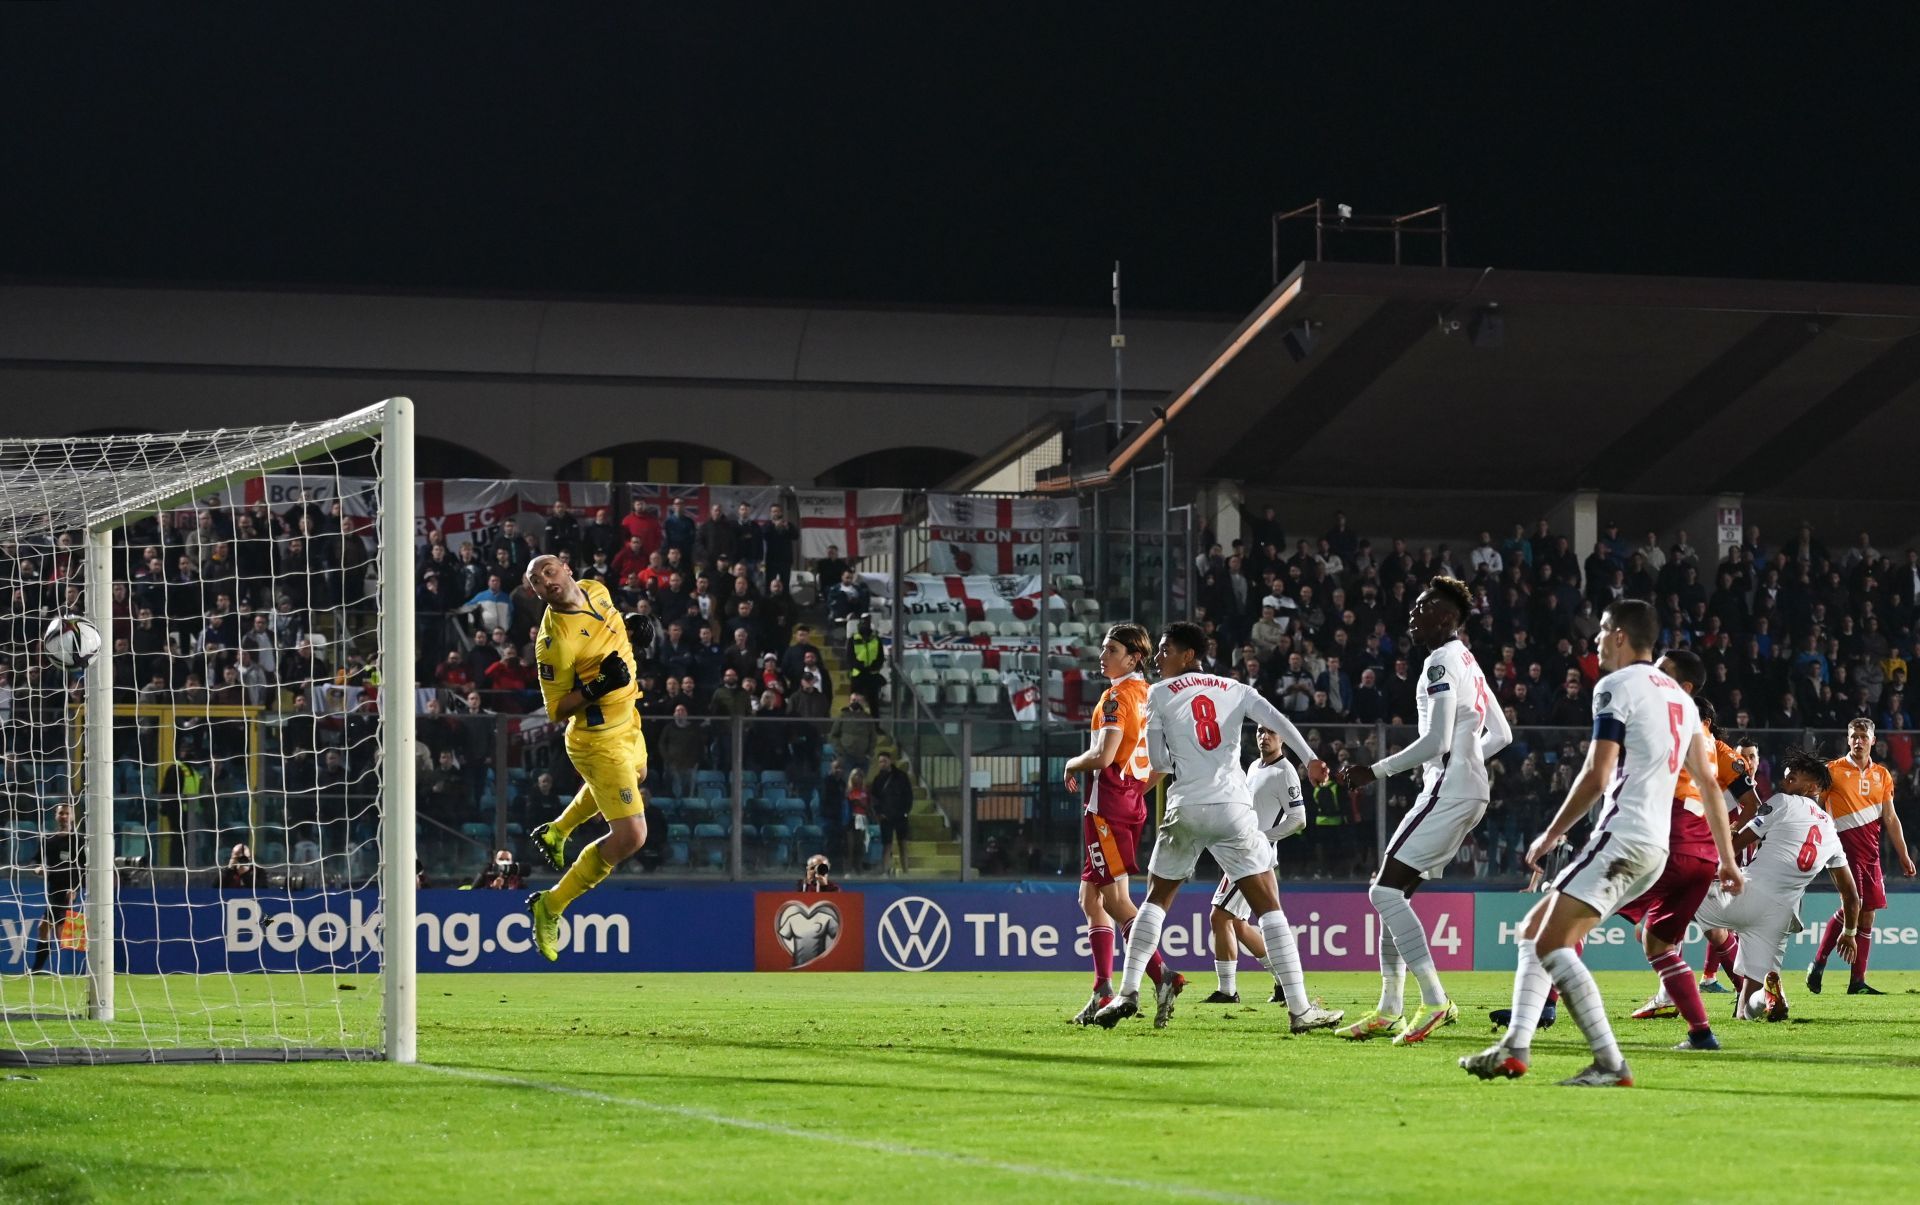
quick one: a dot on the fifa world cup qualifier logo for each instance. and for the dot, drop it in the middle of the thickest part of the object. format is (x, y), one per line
(807, 931)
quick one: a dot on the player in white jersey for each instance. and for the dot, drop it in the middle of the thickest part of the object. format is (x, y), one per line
(1793, 839)
(1644, 728)
(1193, 733)
(1280, 811)
(1461, 726)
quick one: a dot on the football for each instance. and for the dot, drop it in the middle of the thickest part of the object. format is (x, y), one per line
(1757, 1005)
(72, 641)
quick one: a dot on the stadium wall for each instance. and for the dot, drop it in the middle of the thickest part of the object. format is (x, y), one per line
(983, 928)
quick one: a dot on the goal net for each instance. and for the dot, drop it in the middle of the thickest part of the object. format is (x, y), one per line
(206, 826)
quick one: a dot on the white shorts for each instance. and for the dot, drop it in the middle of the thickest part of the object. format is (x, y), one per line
(1764, 924)
(1230, 899)
(1431, 834)
(1610, 872)
(1230, 830)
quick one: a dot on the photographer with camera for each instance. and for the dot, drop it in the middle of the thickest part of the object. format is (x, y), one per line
(503, 873)
(819, 875)
(239, 874)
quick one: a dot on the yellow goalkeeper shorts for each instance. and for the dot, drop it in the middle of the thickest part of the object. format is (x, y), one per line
(613, 765)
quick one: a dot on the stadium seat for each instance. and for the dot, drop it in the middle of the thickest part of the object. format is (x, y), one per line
(804, 588)
(987, 690)
(710, 846)
(983, 627)
(812, 839)
(953, 627)
(922, 627)
(791, 810)
(712, 783)
(1068, 583)
(1014, 627)
(776, 845)
(773, 778)
(679, 844)
(1072, 629)
(1086, 610)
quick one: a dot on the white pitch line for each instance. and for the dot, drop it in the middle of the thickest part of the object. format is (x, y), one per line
(865, 1144)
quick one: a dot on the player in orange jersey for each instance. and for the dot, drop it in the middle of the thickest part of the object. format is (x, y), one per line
(1861, 803)
(1115, 813)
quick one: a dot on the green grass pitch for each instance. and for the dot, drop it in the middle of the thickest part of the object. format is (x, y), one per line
(969, 1087)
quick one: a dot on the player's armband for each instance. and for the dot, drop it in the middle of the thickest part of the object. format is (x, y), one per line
(1609, 728)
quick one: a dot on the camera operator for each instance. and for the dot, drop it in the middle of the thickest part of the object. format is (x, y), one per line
(819, 875)
(504, 873)
(239, 874)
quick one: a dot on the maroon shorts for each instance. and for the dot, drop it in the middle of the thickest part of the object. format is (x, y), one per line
(1669, 905)
(1111, 847)
(1863, 859)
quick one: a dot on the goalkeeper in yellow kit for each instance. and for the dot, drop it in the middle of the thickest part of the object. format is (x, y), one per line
(585, 660)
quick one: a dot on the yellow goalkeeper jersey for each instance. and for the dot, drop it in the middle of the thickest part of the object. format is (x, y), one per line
(572, 645)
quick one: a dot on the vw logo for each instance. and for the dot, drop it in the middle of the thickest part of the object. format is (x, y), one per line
(914, 934)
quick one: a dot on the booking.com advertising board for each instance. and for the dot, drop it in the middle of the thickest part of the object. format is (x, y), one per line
(911, 929)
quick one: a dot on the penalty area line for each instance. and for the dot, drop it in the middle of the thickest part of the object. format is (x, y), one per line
(782, 1130)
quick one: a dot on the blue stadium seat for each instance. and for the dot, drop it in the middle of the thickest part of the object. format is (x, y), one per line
(712, 782)
(776, 845)
(812, 839)
(710, 846)
(679, 844)
(773, 778)
(792, 811)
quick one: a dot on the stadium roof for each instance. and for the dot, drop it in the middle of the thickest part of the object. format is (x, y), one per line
(1646, 385)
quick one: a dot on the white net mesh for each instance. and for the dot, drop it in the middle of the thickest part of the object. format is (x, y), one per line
(246, 664)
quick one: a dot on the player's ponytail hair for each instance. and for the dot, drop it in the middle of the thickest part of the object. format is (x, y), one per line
(1134, 639)
(1456, 593)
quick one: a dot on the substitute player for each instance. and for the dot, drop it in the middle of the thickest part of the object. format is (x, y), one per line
(585, 661)
(1461, 726)
(1861, 803)
(1193, 733)
(1115, 810)
(1281, 812)
(1793, 840)
(1666, 910)
(1644, 727)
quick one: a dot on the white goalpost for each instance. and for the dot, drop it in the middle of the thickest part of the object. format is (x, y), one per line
(207, 826)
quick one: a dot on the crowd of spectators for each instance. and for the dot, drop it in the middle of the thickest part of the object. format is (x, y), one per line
(220, 605)
(1795, 635)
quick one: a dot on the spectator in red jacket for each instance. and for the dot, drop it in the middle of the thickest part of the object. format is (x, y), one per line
(643, 521)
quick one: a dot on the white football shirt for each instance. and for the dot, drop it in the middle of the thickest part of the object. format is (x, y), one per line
(1654, 722)
(1275, 788)
(1193, 733)
(1459, 770)
(1797, 842)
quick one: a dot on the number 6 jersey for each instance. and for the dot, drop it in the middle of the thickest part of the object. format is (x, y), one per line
(1193, 733)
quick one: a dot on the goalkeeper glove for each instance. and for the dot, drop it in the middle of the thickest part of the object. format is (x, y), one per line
(614, 673)
(640, 633)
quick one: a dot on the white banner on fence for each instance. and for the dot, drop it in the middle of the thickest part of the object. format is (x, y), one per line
(1067, 695)
(967, 533)
(858, 522)
(979, 596)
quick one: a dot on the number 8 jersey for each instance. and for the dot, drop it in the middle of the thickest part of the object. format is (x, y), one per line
(1193, 733)
(1654, 722)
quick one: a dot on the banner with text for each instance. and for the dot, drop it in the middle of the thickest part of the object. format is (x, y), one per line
(971, 533)
(698, 501)
(969, 597)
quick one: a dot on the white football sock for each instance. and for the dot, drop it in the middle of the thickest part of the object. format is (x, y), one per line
(1410, 939)
(1393, 976)
(1582, 995)
(1283, 960)
(1141, 943)
(1228, 973)
(1530, 983)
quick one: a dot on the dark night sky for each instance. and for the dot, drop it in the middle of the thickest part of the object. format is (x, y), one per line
(987, 161)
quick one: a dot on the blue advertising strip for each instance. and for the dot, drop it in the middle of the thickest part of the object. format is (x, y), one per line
(1613, 947)
(216, 932)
